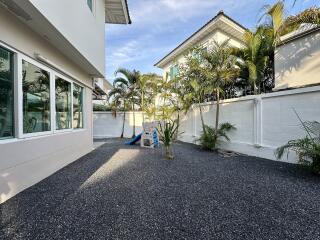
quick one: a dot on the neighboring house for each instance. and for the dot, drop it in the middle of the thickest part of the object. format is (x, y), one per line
(50, 54)
(297, 58)
(219, 29)
(100, 92)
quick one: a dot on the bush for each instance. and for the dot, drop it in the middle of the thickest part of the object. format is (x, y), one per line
(101, 108)
(307, 148)
(167, 131)
(210, 138)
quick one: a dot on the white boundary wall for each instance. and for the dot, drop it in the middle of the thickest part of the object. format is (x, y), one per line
(105, 125)
(264, 122)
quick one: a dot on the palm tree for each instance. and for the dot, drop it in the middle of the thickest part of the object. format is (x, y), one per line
(147, 83)
(257, 55)
(119, 95)
(275, 17)
(194, 82)
(219, 68)
(131, 80)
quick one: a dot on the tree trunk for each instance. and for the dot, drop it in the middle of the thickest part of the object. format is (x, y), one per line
(124, 120)
(202, 120)
(255, 88)
(142, 105)
(134, 121)
(218, 110)
(178, 122)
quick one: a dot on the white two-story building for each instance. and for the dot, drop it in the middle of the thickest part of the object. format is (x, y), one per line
(219, 29)
(51, 52)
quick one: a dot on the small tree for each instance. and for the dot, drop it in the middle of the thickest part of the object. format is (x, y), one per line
(219, 69)
(131, 80)
(118, 97)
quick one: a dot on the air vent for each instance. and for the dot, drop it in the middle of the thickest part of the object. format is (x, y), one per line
(14, 8)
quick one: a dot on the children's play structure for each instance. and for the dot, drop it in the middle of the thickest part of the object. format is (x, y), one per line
(149, 137)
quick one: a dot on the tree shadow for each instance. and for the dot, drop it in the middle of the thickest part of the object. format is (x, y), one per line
(291, 55)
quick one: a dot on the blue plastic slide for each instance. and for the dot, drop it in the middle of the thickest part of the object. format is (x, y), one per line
(134, 140)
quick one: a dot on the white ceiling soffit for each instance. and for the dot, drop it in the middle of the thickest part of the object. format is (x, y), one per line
(117, 12)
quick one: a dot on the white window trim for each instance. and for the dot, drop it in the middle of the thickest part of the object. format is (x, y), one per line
(20, 102)
(18, 99)
(83, 107)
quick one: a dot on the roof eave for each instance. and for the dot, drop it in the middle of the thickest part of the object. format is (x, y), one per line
(165, 59)
(126, 14)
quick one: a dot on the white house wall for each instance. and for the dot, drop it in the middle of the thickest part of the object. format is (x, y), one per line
(216, 35)
(28, 160)
(72, 18)
(17, 35)
(297, 63)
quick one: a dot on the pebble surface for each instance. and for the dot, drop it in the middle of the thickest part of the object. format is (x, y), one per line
(127, 192)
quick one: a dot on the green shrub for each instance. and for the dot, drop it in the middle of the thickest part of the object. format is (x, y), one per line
(210, 138)
(101, 108)
(307, 148)
(167, 132)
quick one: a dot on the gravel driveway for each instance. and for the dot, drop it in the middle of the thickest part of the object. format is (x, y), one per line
(120, 192)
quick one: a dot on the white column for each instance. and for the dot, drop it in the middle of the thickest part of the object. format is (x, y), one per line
(257, 121)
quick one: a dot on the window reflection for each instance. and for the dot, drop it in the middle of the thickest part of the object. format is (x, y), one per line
(6, 94)
(63, 104)
(77, 106)
(36, 98)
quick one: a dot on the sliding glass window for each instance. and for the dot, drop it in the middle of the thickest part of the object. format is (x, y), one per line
(36, 98)
(77, 106)
(6, 94)
(63, 104)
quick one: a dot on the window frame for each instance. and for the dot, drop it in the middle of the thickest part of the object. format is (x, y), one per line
(174, 71)
(18, 98)
(13, 104)
(55, 123)
(83, 107)
(52, 86)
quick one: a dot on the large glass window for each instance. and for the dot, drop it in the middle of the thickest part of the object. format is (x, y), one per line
(36, 98)
(174, 71)
(6, 94)
(77, 106)
(63, 104)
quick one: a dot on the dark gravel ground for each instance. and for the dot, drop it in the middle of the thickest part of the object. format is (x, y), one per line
(120, 192)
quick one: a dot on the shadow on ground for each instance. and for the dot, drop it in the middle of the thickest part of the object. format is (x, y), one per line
(126, 192)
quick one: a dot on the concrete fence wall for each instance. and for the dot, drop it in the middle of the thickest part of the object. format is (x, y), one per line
(263, 122)
(105, 125)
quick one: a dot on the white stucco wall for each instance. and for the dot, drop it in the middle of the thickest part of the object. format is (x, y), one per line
(17, 35)
(107, 126)
(28, 160)
(263, 122)
(84, 29)
(25, 162)
(297, 63)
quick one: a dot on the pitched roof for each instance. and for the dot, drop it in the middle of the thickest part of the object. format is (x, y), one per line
(220, 14)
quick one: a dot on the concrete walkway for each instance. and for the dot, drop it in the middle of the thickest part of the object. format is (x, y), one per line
(120, 192)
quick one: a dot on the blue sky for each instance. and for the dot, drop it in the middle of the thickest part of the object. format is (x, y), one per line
(161, 25)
